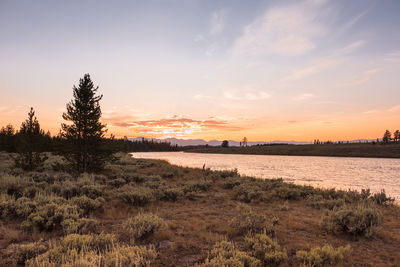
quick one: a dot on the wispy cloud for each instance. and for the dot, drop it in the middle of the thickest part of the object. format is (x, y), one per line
(201, 96)
(352, 21)
(351, 47)
(315, 67)
(287, 30)
(217, 22)
(363, 78)
(250, 95)
(304, 96)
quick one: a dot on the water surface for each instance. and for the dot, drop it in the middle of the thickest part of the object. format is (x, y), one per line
(327, 172)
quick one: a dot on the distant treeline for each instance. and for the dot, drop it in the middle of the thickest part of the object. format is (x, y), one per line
(11, 140)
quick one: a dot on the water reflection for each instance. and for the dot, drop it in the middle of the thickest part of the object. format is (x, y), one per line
(344, 173)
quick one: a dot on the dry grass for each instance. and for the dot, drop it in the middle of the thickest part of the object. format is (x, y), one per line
(196, 224)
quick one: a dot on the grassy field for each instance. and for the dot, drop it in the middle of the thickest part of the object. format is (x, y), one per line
(150, 213)
(333, 150)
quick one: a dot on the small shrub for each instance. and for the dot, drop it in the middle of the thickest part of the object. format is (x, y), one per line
(245, 221)
(248, 192)
(143, 225)
(136, 195)
(231, 182)
(99, 242)
(79, 226)
(224, 253)
(265, 249)
(50, 216)
(87, 204)
(169, 193)
(168, 171)
(130, 256)
(228, 173)
(382, 199)
(196, 186)
(323, 256)
(20, 253)
(116, 256)
(318, 202)
(358, 219)
(118, 182)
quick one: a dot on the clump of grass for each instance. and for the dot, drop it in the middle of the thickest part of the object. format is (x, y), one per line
(262, 247)
(225, 253)
(143, 225)
(323, 256)
(245, 221)
(360, 219)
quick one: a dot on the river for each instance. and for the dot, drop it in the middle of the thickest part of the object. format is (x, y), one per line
(325, 172)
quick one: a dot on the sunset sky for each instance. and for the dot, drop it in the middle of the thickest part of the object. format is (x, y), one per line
(268, 70)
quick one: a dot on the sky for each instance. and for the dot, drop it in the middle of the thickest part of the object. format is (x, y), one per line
(209, 69)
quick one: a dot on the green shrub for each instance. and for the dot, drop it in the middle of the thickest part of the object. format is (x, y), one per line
(68, 189)
(224, 253)
(118, 182)
(265, 249)
(20, 208)
(136, 195)
(382, 199)
(249, 192)
(168, 171)
(130, 256)
(318, 202)
(228, 173)
(50, 216)
(99, 242)
(79, 226)
(360, 219)
(169, 193)
(87, 204)
(143, 225)
(196, 186)
(245, 221)
(323, 256)
(288, 192)
(20, 253)
(231, 182)
(13, 185)
(116, 256)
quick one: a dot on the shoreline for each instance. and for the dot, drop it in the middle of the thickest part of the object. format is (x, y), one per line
(363, 150)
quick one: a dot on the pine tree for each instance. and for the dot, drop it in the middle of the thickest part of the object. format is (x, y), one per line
(396, 136)
(387, 136)
(29, 144)
(86, 150)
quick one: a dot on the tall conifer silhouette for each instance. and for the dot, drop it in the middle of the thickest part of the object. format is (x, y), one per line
(84, 134)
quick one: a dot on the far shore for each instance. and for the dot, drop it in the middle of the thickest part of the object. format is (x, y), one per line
(364, 150)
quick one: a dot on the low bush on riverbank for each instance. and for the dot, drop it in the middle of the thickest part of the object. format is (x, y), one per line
(323, 256)
(359, 219)
(146, 212)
